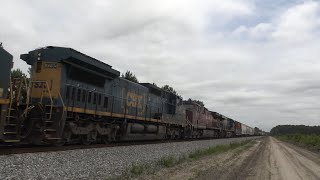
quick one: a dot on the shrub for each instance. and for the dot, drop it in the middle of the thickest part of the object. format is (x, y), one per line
(309, 140)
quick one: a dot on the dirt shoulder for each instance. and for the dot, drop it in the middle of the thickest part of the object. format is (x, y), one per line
(219, 166)
(281, 160)
(266, 159)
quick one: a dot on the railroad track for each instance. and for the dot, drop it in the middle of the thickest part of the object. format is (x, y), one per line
(21, 149)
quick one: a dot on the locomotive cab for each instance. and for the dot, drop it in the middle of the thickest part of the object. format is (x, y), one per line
(6, 65)
(46, 110)
(61, 81)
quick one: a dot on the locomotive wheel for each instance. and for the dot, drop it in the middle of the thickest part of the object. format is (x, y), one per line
(26, 128)
(59, 143)
(85, 140)
(175, 135)
(105, 140)
(66, 138)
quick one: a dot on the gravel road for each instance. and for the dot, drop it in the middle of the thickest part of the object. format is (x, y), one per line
(279, 160)
(100, 163)
(269, 159)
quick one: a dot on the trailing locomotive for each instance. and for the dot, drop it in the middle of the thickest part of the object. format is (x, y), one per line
(71, 98)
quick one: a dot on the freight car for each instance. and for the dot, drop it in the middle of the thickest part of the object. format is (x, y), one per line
(247, 130)
(259, 132)
(74, 98)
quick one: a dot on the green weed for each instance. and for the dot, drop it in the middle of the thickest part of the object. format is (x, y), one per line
(217, 149)
(309, 140)
(168, 161)
(137, 169)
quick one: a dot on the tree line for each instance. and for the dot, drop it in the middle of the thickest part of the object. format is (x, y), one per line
(295, 129)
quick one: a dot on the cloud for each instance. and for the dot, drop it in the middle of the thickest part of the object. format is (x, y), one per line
(255, 61)
(296, 24)
(299, 23)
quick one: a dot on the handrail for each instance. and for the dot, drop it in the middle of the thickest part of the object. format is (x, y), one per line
(17, 97)
(189, 123)
(28, 93)
(61, 100)
(62, 109)
(11, 99)
(51, 101)
(41, 97)
(42, 94)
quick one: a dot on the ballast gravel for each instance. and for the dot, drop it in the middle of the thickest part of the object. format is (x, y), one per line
(99, 163)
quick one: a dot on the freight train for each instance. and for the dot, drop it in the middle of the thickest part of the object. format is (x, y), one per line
(74, 98)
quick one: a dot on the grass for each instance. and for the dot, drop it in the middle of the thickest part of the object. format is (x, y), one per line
(133, 171)
(312, 141)
(167, 161)
(217, 149)
(171, 161)
(137, 169)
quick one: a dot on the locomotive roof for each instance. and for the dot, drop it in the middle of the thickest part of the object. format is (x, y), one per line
(69, 55)
(219, 115)
(154, 89)
(5, 53)
(157, 90)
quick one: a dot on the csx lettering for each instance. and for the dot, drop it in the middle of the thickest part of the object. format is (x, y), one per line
(134, 100)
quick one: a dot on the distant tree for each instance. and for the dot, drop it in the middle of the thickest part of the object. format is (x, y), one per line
(155, 84)
(257, 131)
(29, 71)
(195, 101)
(295, 129)
(199, 102)
(169, 89)
(130, 76)
(17, 73)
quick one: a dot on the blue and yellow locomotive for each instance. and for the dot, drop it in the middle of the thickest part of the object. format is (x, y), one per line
(73, 97)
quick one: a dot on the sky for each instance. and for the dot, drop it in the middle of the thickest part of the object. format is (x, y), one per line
(251, 60)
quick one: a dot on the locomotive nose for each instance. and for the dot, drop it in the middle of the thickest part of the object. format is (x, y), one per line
(26, 58)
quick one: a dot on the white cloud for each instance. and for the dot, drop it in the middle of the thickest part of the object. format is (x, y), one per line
(259, 68)
(296, 24)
